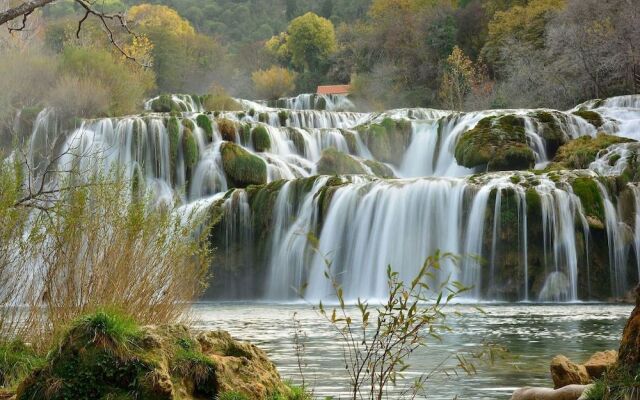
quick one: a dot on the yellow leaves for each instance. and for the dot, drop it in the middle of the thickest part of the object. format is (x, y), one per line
(148, 16)
(141, 49)
(274, 82)
(519, 20)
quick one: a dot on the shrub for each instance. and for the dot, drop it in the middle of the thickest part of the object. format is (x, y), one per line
(127, 87)
(16, 361)
(219, 100)
(79, 97)
(273, 83)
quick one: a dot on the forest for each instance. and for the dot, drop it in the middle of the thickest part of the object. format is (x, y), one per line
(301, 199)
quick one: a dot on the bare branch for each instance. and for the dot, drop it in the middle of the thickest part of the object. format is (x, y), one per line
(23, 9)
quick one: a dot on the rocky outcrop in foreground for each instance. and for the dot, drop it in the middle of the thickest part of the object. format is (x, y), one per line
(104, 355)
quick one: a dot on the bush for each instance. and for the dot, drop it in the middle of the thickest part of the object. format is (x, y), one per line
(273, 83)
(79, 97)
(127, 87)
(219, 100)
(102, 251)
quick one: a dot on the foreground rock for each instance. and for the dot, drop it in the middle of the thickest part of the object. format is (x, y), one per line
(571, 392)
(629, 354)
(103, 356)
(564, 372)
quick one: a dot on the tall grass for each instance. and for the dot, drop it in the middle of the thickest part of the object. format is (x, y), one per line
(95, 246)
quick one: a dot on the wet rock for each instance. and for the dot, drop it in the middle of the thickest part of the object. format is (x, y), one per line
(600, 362)
(571, 392)
(565, 373)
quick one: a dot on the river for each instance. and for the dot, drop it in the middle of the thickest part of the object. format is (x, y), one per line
(533, 334)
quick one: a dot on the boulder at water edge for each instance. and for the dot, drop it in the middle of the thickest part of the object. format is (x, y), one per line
(564, 373)
(571, 392)
(629, 354)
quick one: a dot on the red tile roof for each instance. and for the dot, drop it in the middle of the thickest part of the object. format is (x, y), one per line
(334, 89)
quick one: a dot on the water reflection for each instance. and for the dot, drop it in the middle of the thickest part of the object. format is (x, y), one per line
(533, 333)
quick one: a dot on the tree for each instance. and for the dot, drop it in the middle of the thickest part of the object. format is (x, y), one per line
(109, 21)
(457, 80)
(273, 83)
(311, 40)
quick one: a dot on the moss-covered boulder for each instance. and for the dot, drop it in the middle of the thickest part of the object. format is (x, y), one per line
(189, 149)
(165, 104)
(107, 355)
(387, 140)
(204, 122)
(591, 117)
(241, 167)
(379, 169)
(227, 129)
(283, 116)
(173, 129)
(586, 188)
(334, 162)
(579, 153)
(497, 143)
(260, 138)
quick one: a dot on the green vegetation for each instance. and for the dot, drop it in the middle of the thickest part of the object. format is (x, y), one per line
(592, 117)
(497, 143)
(579, 153)
(173, 129)
(591, 198)
(164, 104)
(204, 122)
(17, 360)
(387, 140)
(334, 162)
(219, 100)
(261, 139)
(242, 168)
(190, 149)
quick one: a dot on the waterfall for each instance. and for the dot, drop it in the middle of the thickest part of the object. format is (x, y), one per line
(523, 235)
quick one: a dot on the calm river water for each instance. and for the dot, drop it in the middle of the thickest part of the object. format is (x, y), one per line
(532, 333)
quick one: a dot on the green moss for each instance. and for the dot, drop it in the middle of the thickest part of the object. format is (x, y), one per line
(298, 140)
(227, 129)
(204, 122)
(334, 162)
(497, 143)
(252, 113)
(245, 134)
(549, 126)
(17, 360)
(173, 128)
(220, 102)
(590, 197)
(534, 202)
(198, 368)
(261, 139)
(387, 140)
(242, 168)
(263, 117)
(283, 116)
(579, 153)
(591, 117)
(379, 169)
(320, 103)
(165, 104)
(189, 149)
(232, 396)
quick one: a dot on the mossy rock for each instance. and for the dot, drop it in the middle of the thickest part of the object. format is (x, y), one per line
(173, 128)
(189, 149)
(263, 117)
(580, 152)
(298, 140)
(204, 122)
(260, 138)
(590, 196)
(497, 143)
(334, 162)
(550, 127)
(591, 117)
(165, 104)
(107, 355)
(379, 169)
(283, 116)
(241, 167)
(228, 129)
(387, 140)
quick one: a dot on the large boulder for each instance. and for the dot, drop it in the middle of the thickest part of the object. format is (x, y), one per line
(241, 167)
(580, 152)
(600, 362)
(496, 143)
(335, 162)
(106, 355)
(571, 392)
(565, 373)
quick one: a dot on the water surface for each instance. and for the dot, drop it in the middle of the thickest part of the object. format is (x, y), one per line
(532, 333)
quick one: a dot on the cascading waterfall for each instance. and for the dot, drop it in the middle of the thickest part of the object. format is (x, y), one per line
(534, 238)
